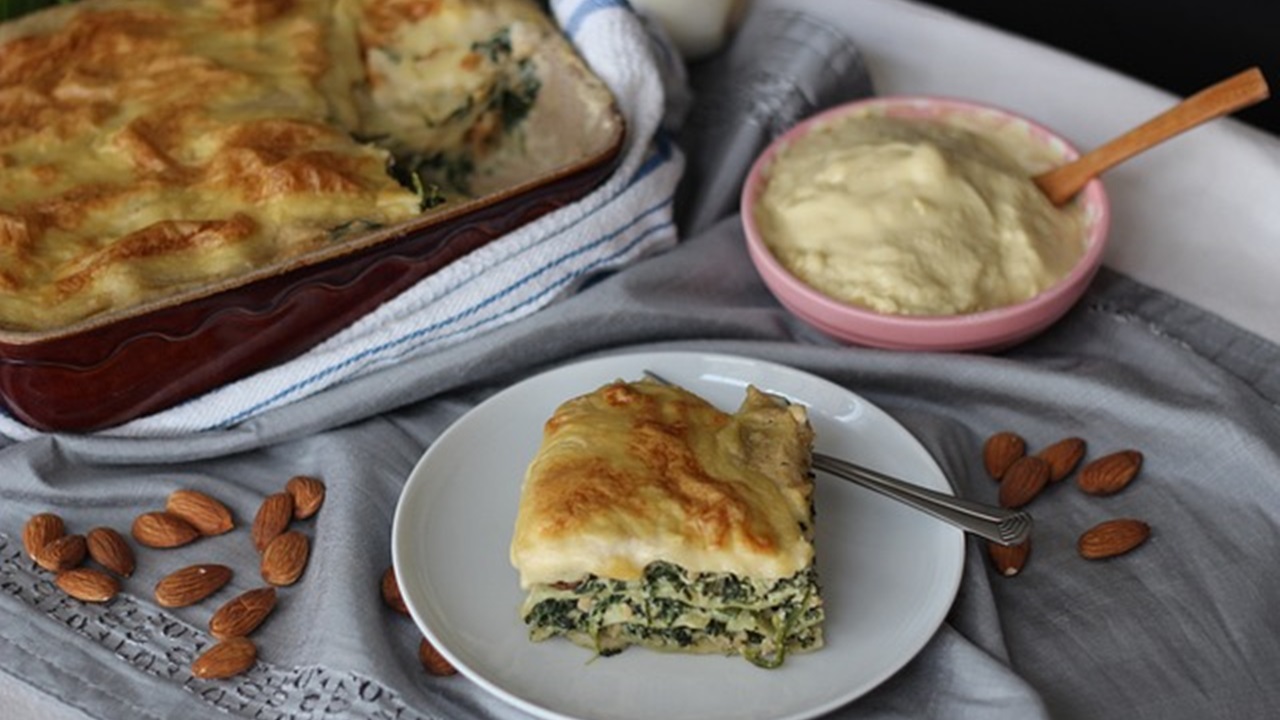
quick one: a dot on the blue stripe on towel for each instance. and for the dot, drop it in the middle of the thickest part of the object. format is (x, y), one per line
(565, 279)
(589, 8)
(659, 155)
(473, 310)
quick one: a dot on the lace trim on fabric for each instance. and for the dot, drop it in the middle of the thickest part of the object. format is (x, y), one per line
(164, 646)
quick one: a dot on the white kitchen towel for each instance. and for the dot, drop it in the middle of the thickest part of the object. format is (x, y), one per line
(628, 217)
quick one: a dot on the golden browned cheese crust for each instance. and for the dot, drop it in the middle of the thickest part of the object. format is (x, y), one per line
(640, 472)
(148, 146)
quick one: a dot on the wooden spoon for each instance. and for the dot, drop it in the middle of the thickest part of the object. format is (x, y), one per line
(1236, 92)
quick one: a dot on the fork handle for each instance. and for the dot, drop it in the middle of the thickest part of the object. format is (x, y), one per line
(997, 524)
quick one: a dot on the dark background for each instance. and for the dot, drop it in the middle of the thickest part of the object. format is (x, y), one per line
(1178, 45)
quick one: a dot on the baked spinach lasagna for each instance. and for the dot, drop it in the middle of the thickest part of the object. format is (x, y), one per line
(150, 146)
(649, 517)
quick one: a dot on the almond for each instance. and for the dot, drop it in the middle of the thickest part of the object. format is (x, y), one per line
(391, 592)
(1023, 481)
(1113, 537)
(205, 514)
(1063, 457)
(308, 495)
(62, 553)
(1110, 474)
(191, 584)
(1000, 451)
(1009, 559)
(87, 584)
(225, 659)
(40, 530)
(272, 519)
(243, 613)
(109, 549)
(434, 662)
(163, 530)
(285, 558)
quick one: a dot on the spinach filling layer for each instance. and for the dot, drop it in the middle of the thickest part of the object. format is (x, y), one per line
(669, 609)
(511, 96)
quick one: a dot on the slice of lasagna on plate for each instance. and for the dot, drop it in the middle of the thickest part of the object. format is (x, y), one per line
(649, 517)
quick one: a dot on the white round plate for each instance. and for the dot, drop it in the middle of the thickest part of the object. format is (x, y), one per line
(889, 574)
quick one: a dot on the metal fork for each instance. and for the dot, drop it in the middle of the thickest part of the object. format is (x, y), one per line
(997, 524)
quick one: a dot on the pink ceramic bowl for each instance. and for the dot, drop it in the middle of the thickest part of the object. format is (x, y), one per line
(990, 330)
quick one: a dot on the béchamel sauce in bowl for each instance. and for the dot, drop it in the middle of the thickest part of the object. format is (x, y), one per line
(913, 223)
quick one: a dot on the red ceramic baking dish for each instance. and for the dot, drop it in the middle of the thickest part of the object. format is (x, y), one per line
(129, 363)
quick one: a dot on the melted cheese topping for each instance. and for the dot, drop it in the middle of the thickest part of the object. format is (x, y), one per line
(148, 147)
(637, 473)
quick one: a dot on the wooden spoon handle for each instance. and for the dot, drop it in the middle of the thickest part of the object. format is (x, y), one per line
(1227, 96)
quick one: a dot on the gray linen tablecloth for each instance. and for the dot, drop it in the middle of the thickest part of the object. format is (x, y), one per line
(1183, 628)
